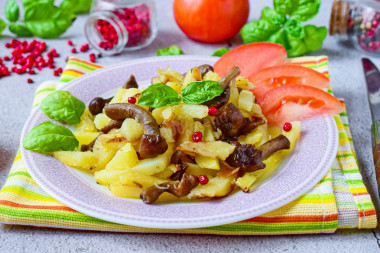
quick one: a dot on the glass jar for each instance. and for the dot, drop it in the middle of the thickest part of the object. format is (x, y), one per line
(117, 25)
(359, 22)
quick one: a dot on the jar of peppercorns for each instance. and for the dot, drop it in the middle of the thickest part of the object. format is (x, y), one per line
(114, 26)
(359, 22)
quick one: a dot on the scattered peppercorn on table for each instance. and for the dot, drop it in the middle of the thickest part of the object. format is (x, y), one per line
(17, 93)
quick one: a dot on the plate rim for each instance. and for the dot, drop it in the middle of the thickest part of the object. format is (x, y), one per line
(172, 223)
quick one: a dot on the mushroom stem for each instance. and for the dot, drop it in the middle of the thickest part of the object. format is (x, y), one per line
(177, 188)
(152, 143)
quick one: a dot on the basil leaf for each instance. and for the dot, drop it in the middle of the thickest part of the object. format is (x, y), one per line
(12, 11)
(48, 137)
(45, 20)
(199, 92)
(159, 95)
(3, 25)
(262, 29)
(220, 52)
(62, 106)
(271, 15)
(306, 10)
(301, 10)
(285, 7)
(20, 30)
(172, 50)
(309, 40)
(77, 6)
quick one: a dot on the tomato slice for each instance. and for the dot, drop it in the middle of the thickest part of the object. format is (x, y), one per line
(298, 102)
(251, 58)
(277, 76)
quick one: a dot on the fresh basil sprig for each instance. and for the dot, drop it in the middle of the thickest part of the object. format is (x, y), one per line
(220, 52)
(48, 137)
(12, 11)
(20, 30)
(46, 20)
(63, 107)
(199, 92)
(172, 50)
(283, 25)
(160, 95)
(41, 17)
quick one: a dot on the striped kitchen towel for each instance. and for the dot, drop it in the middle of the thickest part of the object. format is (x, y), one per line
(339, 200)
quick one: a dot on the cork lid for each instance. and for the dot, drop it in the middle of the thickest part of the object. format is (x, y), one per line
(339, 17)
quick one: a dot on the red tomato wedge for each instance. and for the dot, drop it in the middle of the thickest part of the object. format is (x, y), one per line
(277, 76)
(298, 102)
(251, 58)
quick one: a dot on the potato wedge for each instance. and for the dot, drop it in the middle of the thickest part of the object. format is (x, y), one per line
(101, 120)
(175, 85)
(125, 191)
(246, 100)
(86, 123)
(77, 159)
(217, 187)
(167, 133)
(234, 94)
(245, 182)
(131, 130)
(252, 138)
(243, 83)
(131, 92)
(154, 165)
(212, 76)
(105, 148)
(207, 162)
(118, 96)
(196, 170)
(214, 149)
(191, 111)
(125, 158)
(140, 180)
(107, 177)
(85, 138)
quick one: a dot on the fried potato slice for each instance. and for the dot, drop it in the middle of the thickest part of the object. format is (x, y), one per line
(214, 149)
(131, 130)
(101, 120)
(125, 191)
(246, 100)
(154, 165)
(244, 83)
(216, 187)
(77, 159)
(125, 158)
(105, 148)
(85, 138)
(207, 162)
(245, 182)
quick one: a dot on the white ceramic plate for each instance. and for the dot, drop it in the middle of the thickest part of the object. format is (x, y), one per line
(308, 163)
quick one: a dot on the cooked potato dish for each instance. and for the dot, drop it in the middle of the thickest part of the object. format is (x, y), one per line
(187, 136)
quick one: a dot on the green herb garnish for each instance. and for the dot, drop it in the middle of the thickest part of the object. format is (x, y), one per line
(172, 50)
(48, 137)
(283, 25)
(12, 11)
(63, 107)
(199, 92)
(221, 51)
(160, 95)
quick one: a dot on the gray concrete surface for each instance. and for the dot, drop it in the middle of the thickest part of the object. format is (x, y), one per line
(348, 82)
